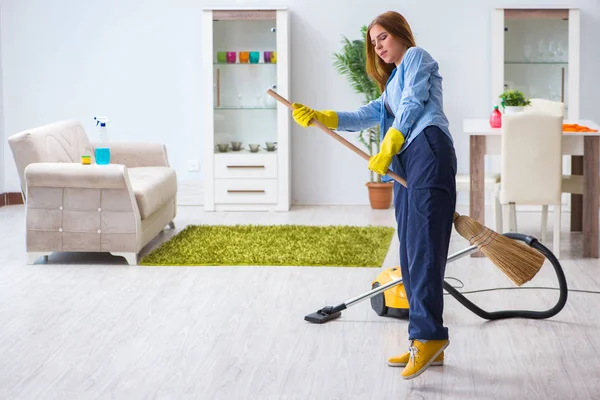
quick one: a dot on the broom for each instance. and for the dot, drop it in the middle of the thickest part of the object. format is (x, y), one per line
(520, 263)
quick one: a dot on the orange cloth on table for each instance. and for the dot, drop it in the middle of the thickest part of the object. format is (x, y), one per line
(577, 128)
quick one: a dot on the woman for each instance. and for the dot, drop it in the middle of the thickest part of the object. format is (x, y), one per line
(416, 144)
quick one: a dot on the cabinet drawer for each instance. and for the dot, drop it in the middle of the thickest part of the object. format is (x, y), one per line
(245, 166)
(253, 191)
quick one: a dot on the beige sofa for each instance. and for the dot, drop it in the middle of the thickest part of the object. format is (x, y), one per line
(71, 207)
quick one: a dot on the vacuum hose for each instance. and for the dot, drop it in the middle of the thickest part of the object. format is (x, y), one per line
(562, 283)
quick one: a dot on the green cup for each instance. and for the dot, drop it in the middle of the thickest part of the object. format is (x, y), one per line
(221, 57)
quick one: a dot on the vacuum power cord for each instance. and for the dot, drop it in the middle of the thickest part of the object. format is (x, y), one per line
(518, 288)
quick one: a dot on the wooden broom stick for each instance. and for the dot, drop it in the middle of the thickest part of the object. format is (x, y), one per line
(519, 262)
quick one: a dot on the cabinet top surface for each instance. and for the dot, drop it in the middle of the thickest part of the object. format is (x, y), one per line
(248, 8)
(535, 7)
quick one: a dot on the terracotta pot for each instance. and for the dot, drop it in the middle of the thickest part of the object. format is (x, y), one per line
(380, 195)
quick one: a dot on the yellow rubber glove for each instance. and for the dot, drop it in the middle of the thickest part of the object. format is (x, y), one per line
(391, 145)
(302, 115)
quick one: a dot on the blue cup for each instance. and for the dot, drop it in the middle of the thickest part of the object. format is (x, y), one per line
(254, 57)
(102, 155)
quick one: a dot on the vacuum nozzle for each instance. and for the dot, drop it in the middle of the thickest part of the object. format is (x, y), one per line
(325, 314)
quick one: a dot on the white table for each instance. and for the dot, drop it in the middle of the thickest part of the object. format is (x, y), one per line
(485, 140)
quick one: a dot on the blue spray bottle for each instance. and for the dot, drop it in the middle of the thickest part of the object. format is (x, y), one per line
(102, 149)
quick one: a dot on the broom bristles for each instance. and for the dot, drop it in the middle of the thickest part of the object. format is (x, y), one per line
(519, 262)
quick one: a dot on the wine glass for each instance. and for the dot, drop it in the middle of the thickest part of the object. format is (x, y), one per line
(527, 51)
(552, 50)
(561, 51)
(258, 95)
(541, 50)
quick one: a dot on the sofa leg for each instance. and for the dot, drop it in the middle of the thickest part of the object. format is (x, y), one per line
(130, 257)
(32, 256)
(172, 225)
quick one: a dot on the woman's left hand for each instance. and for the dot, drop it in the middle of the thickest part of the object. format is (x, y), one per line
(391, 145)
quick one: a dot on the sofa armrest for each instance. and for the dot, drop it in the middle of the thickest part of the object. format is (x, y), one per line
(138, 154)
(73, 175)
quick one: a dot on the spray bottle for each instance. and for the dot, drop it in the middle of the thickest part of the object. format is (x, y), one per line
(496, 118)
(102, 149)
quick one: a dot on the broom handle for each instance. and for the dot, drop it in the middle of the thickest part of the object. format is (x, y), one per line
(337, 137)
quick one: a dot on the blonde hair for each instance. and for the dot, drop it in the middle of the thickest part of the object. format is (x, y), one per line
(397, 26)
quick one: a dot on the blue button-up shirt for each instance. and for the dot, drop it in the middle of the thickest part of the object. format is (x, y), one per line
(413, 95)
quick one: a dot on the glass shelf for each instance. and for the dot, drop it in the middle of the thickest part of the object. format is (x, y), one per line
(262, 151)
(536, 63)
(238, 63)
(243, 108)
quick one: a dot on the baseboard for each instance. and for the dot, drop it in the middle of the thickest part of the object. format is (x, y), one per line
(9, 199)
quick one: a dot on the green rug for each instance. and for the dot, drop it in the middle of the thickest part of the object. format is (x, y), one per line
(339, 246)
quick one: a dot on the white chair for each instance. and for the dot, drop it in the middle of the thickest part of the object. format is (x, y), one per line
(570, 183)
(549, 106)
(567, 184)
(532, 166)
(491, 184)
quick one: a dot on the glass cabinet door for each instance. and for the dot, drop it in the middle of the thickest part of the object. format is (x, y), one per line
(536, 53)
(244, 67)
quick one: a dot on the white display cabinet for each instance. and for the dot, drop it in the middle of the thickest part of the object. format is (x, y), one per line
(246, 52)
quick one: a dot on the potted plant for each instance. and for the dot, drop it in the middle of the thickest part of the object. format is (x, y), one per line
(513, 101)
(351, 62)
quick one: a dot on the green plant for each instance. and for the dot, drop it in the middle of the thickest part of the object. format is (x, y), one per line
(351, 62)
(514, 98)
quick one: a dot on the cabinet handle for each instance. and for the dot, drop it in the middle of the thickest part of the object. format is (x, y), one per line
(562, 85)
(245, 166)
(218, 87)
(244, 191)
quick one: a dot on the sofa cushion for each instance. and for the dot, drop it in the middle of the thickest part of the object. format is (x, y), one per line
(153, 187)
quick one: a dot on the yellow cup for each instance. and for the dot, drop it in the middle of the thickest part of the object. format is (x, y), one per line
(274, 57)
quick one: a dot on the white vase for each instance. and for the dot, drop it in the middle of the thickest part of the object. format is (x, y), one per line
(513, 109)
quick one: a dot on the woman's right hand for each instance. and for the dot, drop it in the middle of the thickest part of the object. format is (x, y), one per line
(303, 116)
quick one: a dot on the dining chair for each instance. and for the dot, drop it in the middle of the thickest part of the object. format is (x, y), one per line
(532, 166)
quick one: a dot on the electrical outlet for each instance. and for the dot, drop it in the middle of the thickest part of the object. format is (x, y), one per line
(193, 165)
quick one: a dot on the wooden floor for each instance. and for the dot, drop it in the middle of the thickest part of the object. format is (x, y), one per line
(91, 327)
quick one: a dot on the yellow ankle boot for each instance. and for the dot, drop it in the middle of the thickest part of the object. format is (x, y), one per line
(422, 355)
(402, 360)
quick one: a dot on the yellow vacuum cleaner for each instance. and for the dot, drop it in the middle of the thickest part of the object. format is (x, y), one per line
(392, 302)
(388, 297)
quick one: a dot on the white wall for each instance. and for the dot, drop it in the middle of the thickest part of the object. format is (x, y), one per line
(138, 61)
(2, 140)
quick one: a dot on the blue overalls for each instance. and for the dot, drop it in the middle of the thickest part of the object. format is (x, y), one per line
(424, 213)
(413, 104)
